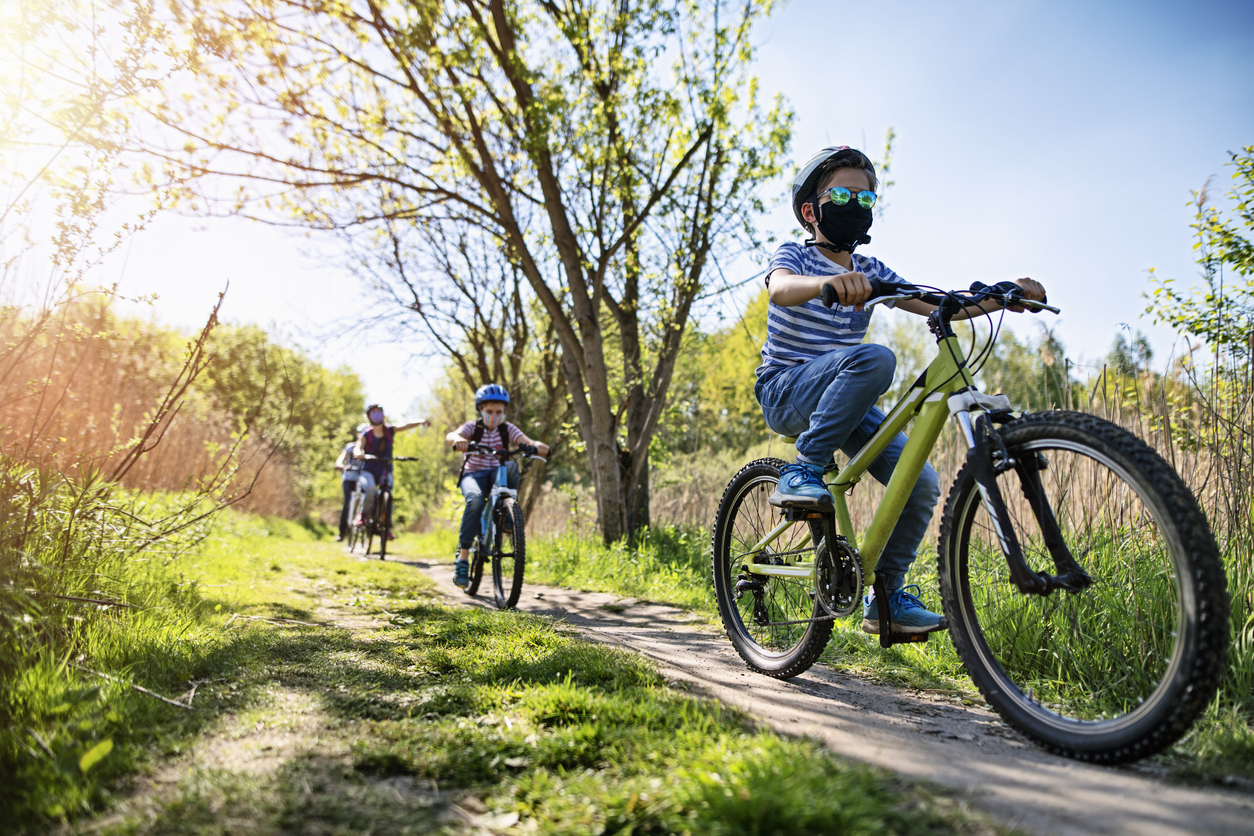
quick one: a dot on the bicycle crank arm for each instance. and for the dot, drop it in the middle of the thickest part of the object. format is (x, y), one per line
(888, 637)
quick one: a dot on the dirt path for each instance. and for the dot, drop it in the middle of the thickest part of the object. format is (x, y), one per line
(964, 749)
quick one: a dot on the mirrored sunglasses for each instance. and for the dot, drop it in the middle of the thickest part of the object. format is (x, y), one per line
(840, 196)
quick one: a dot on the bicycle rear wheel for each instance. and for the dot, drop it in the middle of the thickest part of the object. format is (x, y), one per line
(769, 625)
(1121, 669)
(508, 554)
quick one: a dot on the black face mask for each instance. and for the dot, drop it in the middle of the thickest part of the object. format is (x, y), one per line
(844, 226)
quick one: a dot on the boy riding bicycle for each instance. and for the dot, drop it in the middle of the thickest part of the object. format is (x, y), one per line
(479, 469)
(819, 382)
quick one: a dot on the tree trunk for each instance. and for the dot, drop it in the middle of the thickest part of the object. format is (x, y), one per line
(635, 489)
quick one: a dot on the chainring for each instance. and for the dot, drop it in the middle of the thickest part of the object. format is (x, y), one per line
(838, 578)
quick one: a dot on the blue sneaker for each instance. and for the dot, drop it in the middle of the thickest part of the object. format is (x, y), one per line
(801, 485)
(906, 611)
(461, 572)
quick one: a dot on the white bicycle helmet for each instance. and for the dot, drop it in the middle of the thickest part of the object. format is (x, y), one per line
(807, 180)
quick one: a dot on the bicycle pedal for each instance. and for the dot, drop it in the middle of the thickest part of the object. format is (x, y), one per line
(802, 514)
(890, 639)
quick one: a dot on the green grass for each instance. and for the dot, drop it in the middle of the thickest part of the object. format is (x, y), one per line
(337, 695)
(669, 564)
(574, 737)
(204, 628)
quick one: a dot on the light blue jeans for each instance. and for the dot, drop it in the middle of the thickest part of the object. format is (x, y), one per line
(366, 484)
(476, 485)
(829, 404)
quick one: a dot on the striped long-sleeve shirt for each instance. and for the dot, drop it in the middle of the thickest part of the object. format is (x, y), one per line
(476, 462)
(803, 332)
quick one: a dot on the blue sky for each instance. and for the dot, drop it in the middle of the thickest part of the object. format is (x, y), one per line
(1058, 140)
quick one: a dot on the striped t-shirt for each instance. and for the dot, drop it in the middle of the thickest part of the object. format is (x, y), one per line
(804, 332)
(491, 438)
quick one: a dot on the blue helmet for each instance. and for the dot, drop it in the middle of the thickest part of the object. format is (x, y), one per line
(491, 392)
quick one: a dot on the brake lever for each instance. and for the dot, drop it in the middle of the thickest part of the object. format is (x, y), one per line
(883, 300)
(1008, 299)
(1038, 306)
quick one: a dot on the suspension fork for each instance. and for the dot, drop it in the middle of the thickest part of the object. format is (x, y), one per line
(1071, 577)
(987, 457)
(980, 460)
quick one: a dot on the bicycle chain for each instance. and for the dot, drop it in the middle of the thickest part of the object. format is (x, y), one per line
(802, 621)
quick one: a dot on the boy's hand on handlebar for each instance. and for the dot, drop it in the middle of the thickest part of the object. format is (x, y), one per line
(852, 289)
(461, 446)
(1032, 289)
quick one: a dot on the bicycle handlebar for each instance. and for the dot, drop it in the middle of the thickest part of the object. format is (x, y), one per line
(1004, 293)
(525, 449)
(369, 457)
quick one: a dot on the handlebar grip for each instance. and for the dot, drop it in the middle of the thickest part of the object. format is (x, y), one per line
(827, 294)
(1014, 294)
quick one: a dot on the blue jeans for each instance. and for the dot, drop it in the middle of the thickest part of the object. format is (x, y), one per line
(476, 486)
(829, 404)
(366, 483)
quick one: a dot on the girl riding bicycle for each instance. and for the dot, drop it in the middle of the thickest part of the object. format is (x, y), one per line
(377, 441)
(819, 382)
(478, 469)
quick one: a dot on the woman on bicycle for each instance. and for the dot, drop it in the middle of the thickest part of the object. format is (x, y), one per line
(819, 382)
(479, 469)
(377, 441)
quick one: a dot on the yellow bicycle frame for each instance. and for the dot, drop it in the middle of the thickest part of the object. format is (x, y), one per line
(926, 404)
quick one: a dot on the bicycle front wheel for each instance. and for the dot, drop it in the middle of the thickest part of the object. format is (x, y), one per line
(767, 618)
(1121, 669)
(384, 504)
(476, 568)
(508, 554)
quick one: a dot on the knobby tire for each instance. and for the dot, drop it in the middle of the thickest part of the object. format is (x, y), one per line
(1119, 670)
(354, 530)
(509, 552)
(476, 568)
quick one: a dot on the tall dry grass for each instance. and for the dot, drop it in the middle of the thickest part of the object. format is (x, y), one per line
(80, 387)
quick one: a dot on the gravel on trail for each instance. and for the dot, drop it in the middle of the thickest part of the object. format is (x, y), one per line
(920, 736)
